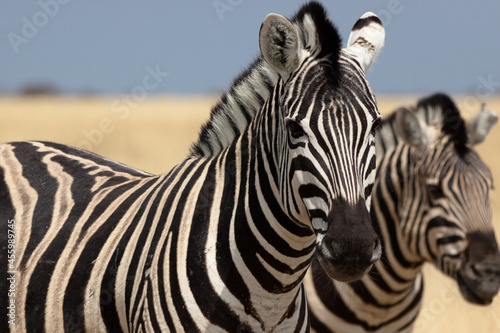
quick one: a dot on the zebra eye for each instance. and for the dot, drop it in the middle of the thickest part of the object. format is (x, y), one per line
(295, 129)
(435, 192)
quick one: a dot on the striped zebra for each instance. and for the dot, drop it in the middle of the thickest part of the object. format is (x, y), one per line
(430, 204)
(221, 242)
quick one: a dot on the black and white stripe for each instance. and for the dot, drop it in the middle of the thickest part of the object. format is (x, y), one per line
(430, 204)
(221, 242)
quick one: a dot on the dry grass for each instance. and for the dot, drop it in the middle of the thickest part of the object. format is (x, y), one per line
(156, 134)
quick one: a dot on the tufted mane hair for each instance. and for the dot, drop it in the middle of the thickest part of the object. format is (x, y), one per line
(330, 42)
(453, 124)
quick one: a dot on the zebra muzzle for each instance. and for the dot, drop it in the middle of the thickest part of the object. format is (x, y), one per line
(479, 276)
(479, 282)
(350, 246)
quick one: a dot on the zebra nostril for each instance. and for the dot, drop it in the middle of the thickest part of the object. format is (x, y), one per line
(485, 269)
(377, 251)
(474, 269)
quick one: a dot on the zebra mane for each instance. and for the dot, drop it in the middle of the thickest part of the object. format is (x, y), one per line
(436, 110)
(249, 91)
(235, 109)
(319, 33)
(439, 109)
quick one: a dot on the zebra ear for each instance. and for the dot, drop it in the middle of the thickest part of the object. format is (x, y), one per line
(410, 128)
(366, 39)
(479, 126)
(279, 44)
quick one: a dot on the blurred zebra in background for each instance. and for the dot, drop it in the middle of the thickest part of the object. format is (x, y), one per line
(430, 204)
(220, 243)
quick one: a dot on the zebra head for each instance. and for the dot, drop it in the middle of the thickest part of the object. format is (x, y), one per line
(326, 115)
(450, 192)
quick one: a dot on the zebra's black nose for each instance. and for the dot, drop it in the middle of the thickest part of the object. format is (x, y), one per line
(346, 267)
(479, 282)
(350, 246)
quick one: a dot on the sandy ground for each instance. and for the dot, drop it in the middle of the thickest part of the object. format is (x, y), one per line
(155, 134)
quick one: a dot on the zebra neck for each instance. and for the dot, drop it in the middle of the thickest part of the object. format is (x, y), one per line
(270, 252)
(392, 215)
(276, 234)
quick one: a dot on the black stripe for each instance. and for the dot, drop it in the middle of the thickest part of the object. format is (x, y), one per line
(225, 266)
(180, 306)
(99, 160)
(325, 290)
(210, 303)
(108, 306)
(153, 311)
(303, 317)
(42, 182)
(74, 297)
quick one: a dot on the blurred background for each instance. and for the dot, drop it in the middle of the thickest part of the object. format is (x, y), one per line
(133, 81)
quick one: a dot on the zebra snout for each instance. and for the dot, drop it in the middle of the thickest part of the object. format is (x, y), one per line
(350, 247)
(480, 281)
(347, 262)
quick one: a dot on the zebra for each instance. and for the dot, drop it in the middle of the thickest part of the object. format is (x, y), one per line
(219, 243)
(430, 204)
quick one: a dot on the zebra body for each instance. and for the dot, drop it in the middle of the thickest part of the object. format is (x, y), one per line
(430, 204)
(222, 242)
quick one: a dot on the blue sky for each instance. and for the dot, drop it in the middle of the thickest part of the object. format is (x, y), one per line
(108, 46)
